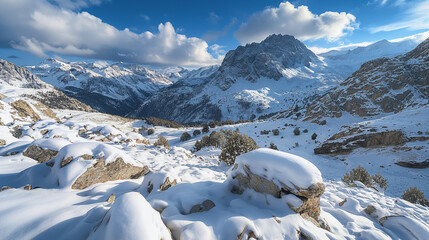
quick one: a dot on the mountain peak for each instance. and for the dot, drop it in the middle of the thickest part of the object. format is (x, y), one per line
(269, 59)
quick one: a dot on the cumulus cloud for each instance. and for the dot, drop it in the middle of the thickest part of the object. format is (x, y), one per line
(296, 21)
(76, 4)
(416, 17)
(40, 27)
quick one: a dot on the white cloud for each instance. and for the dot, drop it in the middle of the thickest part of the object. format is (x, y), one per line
(40, 27)
(296, 21)
(416, 17)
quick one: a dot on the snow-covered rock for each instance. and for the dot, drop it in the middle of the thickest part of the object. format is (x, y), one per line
(281, 175)
(43, 150)
(131, 217)
(80, 165)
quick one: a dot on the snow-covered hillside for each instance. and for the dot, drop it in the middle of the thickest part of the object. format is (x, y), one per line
(178, 194)
(278, 74)
(380, 86)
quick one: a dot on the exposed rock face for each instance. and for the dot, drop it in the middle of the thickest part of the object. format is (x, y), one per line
(167, 184)
(382, 85)
(116, 170)
(203, 207)
(111, 198)
(344, 142)
(2, 142)
(39, 154)
(58, 100)
(414, 164)
(24, 110)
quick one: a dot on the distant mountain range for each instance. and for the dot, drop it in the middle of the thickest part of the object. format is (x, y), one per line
(278, 77)
(345, 62)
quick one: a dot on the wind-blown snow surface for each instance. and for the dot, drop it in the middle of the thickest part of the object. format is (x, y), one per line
(63, 213)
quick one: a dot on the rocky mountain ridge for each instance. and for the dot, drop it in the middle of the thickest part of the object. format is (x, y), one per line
(380, 86)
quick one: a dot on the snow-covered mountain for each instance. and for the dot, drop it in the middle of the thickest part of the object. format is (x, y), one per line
(345, 62)
(278, 74)
(112, 88)
(18, 82)
(382, 85)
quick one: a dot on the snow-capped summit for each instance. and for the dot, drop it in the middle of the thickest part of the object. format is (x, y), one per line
(278, 74)
(112, 88)
(272, 58)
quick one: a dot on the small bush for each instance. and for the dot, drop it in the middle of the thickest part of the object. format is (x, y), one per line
(163, 122)
(196, 133)
(305, 130)
(215, 139)
(273, 146)
(314, 136)
(265, 132)
(358, 174)
(380, 180)
(212, 124)
(276, 132)
(206, 128)
(162, 141)
(185, 136)
(296, 131)
(150, 131)
(414, 195)
(323, 122)
(236, 144)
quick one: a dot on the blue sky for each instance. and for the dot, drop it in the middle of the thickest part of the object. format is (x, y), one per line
(192, 33)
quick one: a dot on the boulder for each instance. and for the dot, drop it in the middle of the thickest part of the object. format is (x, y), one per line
(80, 165)
(101, 172)
(2, 142)
(280, 174)
(202, 207)
(42, 150)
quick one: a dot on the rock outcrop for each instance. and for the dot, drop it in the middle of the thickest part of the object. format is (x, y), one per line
(101, 172)
(24, 110)
(346, 141)
(39, 154)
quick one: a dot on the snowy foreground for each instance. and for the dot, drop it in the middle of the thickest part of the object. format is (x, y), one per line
(150, 207)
